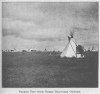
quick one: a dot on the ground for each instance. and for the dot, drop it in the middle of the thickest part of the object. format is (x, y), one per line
(42, 69)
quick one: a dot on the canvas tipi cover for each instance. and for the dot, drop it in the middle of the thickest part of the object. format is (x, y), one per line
(70, 49)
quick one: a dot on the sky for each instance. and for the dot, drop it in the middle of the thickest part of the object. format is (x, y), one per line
(40, 25)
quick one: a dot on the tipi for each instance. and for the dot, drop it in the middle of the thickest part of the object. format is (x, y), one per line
(70, 49)
(93, 50)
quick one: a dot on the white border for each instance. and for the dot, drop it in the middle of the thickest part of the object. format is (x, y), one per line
(16, 90)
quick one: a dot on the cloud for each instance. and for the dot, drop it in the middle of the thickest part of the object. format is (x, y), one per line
(39, 35)
(49, 23)
(21, 11)
(28, 30)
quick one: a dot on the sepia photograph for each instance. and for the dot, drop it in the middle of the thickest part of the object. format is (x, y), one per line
(50, 44)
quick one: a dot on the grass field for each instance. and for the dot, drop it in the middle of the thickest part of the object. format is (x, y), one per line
(33, 69)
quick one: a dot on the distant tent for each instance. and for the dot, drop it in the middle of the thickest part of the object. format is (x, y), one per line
(71, 49)
(24, 51)
(12, 50)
